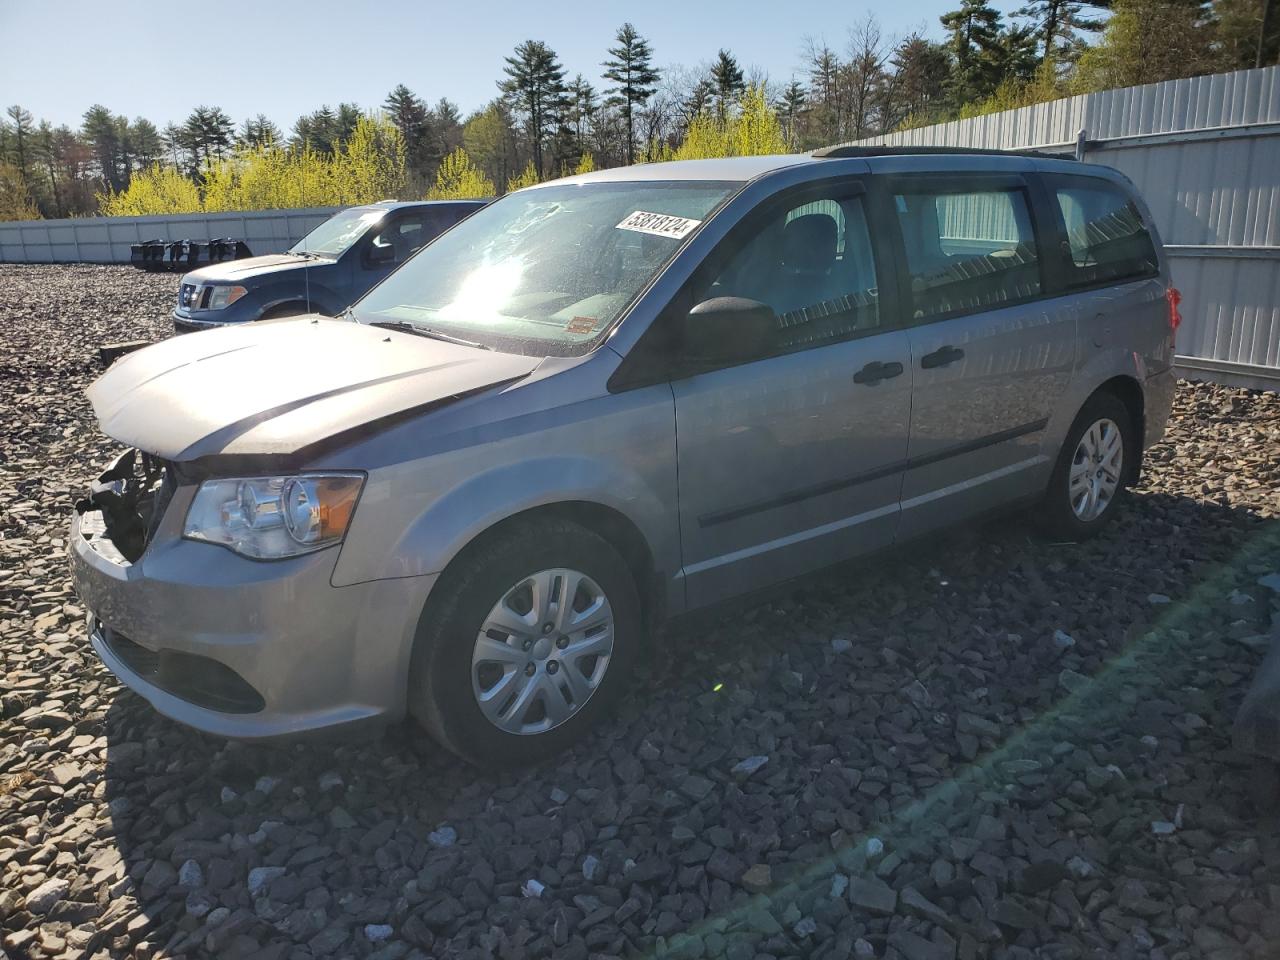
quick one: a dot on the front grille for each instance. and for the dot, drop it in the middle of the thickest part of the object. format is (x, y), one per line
(200, 680)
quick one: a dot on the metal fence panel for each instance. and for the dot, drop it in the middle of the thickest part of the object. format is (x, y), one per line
(107, 239)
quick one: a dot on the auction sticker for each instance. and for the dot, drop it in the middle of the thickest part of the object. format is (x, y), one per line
(659, 224)
(581, 325)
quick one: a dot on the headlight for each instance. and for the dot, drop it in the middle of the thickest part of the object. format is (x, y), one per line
(269, 518)
(221, 297)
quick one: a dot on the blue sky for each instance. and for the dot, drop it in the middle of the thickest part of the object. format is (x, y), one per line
(158, 59)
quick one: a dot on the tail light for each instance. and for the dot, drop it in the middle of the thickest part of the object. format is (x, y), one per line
(1175, 316)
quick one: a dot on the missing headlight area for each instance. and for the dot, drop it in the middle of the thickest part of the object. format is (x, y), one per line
(130, 496)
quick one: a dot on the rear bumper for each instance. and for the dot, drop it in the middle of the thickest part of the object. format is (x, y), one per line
(247, 649)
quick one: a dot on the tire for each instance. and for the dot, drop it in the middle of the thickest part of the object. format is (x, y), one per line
(1082, 511)
(490, 585)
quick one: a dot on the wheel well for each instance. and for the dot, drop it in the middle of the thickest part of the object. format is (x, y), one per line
(605, 522)
(1128, 392)
(278, 310)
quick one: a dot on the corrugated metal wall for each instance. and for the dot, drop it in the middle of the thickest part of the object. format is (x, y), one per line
(1205, 152)
(107, 239)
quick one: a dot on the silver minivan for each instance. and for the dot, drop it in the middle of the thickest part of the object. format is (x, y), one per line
(602, 402)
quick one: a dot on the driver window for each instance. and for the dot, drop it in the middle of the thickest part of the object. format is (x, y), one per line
(810, 262)
(400, 238)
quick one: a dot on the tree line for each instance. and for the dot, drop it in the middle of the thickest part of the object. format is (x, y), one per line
(543, 123)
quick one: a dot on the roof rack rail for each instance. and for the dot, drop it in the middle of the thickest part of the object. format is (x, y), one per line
(844, 152)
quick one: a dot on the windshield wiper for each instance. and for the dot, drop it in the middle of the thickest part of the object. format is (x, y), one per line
(407, 327)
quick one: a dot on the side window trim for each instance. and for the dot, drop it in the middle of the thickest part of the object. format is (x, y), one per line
(965, 182)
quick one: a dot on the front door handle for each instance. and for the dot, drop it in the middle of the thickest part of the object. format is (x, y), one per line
(941, 357)
(875, 371)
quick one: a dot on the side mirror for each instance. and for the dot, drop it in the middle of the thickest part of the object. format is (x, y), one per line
(376, 255)
(729, 330)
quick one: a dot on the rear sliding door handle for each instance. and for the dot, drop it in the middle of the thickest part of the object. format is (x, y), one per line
(941, 357)
(875, 371)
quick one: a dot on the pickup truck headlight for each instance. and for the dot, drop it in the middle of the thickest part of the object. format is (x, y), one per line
(269, 518)
(222, 297)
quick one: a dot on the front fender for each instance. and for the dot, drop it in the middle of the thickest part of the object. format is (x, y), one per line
(321, 298)
(431, 541)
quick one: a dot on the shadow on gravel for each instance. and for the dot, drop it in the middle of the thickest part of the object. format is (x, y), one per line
(1003, 725)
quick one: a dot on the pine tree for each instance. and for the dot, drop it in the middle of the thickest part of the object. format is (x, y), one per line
(258, 132)
(1058, 25)
(791, 108)
(535, 87)
(726, 78)
(580, 112)
(103, 136)
(409, 114)
(975, 45)
(144, 139)
(630, 68)
(21, 132)
(208, 132)
(921, 68)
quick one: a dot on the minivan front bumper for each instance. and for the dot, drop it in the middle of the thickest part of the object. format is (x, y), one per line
(242, 648)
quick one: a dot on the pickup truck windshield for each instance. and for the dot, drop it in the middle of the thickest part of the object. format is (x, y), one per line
(333, 237)
(545, 271)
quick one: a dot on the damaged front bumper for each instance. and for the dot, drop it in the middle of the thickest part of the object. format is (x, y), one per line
(228, 645)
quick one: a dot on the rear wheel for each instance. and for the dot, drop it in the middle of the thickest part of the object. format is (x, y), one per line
(1092, 471)
(531, 642)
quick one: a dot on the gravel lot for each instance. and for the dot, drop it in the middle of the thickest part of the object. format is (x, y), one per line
(989, 747)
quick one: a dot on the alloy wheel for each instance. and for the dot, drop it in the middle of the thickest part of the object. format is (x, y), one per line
(542, 651)
(1094, 478)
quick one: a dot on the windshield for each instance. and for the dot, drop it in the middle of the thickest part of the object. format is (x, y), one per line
(333, 237)
(544, 272)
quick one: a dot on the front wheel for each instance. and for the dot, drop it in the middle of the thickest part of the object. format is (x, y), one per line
(531, 642)
(1091, 473)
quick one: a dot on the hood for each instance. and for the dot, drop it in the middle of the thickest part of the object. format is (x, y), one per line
(276, 387)
(236, 270)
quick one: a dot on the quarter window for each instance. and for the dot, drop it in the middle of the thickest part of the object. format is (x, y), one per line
(810, 262)
(1105, 235)
(967, 250)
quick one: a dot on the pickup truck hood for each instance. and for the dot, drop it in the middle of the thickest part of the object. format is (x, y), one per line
(231, 271)
(279, 386)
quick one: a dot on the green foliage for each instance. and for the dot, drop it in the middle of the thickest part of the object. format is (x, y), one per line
(460, 179)
(1146, 41)
(15, 199)
(527, 178)
(152, 191)
(369, 166)
(752, 130)
(1014, 93)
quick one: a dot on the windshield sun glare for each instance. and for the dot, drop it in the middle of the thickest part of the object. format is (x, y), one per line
(545, 271)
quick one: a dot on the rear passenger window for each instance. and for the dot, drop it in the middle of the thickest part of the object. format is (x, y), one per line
(1105, 235)
(967, 250)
